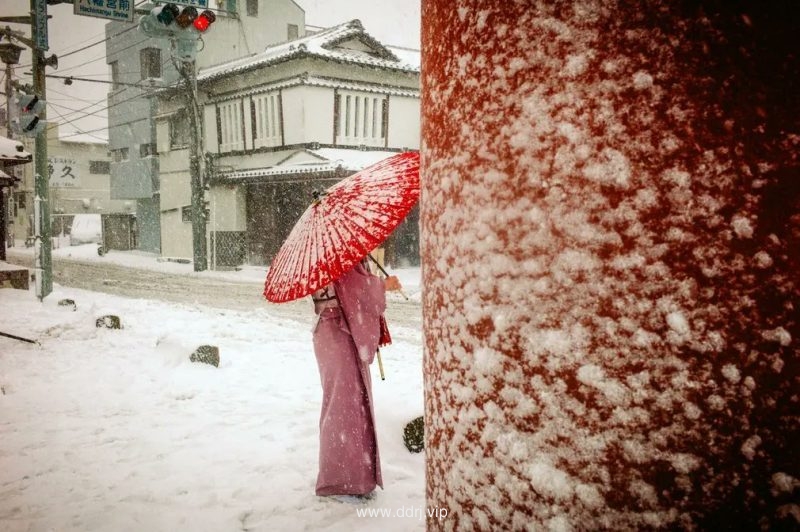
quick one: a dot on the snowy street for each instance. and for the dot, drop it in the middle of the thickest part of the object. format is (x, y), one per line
(81, 267)
(104, 429)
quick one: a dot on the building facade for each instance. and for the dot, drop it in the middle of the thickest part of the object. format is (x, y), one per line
(278, 125)
(79, 182)
(140, 66)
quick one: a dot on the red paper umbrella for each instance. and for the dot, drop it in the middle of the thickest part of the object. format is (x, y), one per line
(342, 225)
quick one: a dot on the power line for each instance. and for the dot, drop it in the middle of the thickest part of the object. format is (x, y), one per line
(105, 128)
(51, 101)
(126, 30)
(145, 94)
(104, 56)
(72, 123)
(104, 81)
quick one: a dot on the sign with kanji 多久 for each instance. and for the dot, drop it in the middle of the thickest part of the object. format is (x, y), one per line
(63, 172)
(121, 10)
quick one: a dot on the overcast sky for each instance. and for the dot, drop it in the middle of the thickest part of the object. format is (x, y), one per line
(390, 21)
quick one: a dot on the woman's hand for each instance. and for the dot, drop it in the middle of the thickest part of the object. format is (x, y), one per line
(392, 283)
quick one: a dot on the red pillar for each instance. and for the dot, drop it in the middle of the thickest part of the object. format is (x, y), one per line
(610, 238)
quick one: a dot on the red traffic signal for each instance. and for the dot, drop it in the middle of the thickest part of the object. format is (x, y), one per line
(202, 22)
(28, 104)
(183, 26)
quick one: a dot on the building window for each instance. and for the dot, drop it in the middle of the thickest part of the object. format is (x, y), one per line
(265, 110)
(146, 150)
(252, 8)
(179, 134)
(19, 200)
(230, 126)
(360, 118)
(151, 63)
(99, 167)
(119, 155)
(186, 213)
(292, 31)
(230, 6)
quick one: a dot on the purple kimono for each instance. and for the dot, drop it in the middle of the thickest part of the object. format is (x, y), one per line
(345, 341)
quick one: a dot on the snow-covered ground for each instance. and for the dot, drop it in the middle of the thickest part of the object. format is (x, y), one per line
(116, 430)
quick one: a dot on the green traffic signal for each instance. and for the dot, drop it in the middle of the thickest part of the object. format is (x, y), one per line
(166, 14)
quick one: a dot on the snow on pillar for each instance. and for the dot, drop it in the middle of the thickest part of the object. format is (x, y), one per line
(610, 238)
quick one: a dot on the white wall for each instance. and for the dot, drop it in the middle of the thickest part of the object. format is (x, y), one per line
(293, 115)
(176, 235)
(237, 37)
(227, 206)
(404, 122)
(317, 114)
(210, 138)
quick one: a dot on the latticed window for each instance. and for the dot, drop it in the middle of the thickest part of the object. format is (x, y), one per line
(266, 115)
(231, 135)
(361, 118)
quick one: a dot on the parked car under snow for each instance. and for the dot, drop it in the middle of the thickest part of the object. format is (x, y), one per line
(86, 228)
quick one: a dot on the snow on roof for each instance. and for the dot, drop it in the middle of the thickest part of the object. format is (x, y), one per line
(325, 160)
(82, 138)
(13, 152)
(325, 45)
(353, 159)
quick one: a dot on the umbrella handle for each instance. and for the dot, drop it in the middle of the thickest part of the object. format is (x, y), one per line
(386, 274)
(380, 364)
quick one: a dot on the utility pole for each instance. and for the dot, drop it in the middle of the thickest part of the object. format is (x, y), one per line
(43, 249)
(200, 254)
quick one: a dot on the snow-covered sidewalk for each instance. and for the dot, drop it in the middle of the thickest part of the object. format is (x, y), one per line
(113, 430)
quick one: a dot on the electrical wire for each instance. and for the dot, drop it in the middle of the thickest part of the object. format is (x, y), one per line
(126, 30)
(145, 94)
(104, 81)
(71, 123)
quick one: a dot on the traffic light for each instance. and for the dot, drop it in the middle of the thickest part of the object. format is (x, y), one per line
(183, 26)
(29, 107)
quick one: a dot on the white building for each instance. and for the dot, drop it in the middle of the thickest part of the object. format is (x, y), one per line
(79, 182)
(140, 65)
(278, 124)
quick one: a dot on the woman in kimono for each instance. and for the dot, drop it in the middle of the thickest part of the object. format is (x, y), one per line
(346, 338)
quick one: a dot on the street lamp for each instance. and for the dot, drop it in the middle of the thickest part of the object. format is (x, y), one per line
(9, 54)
